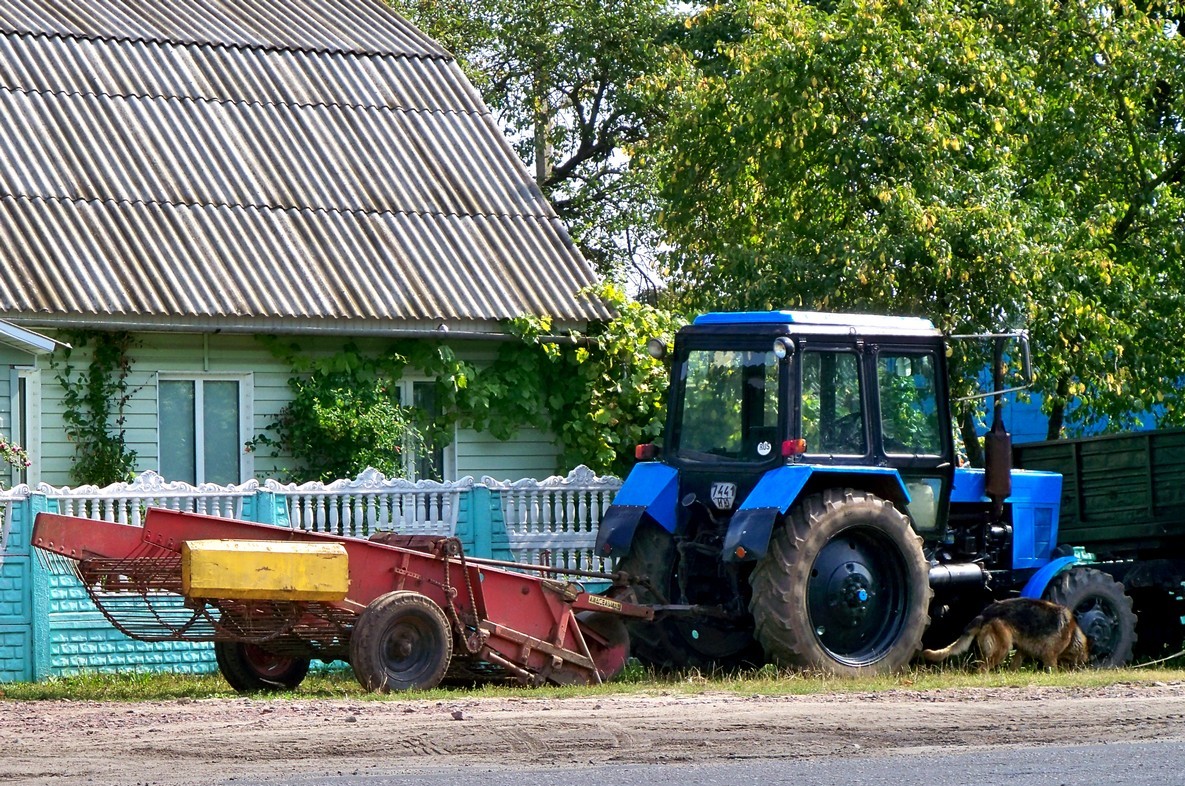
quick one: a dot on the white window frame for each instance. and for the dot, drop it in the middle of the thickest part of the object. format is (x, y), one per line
(406, 386)
(26, 408)
(246, 382)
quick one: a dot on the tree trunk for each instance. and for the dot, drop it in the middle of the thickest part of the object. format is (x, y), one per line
(1057, 413)
(971, 442)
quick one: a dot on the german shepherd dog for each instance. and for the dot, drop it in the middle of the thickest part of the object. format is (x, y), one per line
(1039, 629)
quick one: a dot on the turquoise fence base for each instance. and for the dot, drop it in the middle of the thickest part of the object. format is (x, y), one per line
(50, 628)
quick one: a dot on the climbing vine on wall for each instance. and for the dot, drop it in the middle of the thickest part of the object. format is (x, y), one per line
(344, 416)
(95, 399)
(597, 390)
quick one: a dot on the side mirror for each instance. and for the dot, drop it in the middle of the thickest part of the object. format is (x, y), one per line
(1014, 345)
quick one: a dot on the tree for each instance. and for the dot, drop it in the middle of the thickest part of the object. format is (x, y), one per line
(562, 76)
(1105, 164)
(1004, 165)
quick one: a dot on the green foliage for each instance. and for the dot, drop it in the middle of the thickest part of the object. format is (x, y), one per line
(95, 403)
(344, 416)
(1013, 163)
(600, 392)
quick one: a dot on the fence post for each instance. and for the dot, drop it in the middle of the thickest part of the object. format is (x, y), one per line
(33, 504)
(266, 507)
(479, 514)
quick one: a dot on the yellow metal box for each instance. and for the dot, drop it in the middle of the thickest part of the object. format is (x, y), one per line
(264, 570)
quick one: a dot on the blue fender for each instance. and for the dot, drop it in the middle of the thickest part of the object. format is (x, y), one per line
(652, 489)
(752, 525)
(1039, 582)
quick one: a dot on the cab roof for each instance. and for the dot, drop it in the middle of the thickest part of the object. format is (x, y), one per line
(859, 323)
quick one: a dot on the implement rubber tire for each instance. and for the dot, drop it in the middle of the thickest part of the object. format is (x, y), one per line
(674, 642)
(1103, 611)
(250, 668)
(844, 588)
(402, 641)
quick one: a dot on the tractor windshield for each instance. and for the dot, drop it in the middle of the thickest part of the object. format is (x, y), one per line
(729, 406)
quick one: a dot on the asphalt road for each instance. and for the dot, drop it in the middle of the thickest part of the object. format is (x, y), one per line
(1116, 764)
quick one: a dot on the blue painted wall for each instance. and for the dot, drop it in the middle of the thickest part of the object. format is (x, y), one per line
(1027, 423)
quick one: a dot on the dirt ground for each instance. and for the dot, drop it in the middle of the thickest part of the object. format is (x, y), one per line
(213, 741)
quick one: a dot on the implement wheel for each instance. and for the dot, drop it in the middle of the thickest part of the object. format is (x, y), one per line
(402, 642)
(250, 668)
(1103, 611)
(677, 641)
(844, 587)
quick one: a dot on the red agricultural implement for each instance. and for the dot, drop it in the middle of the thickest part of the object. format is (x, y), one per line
(405, 613)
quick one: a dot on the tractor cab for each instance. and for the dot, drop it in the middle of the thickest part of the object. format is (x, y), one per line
(836, 399)
(753, 391)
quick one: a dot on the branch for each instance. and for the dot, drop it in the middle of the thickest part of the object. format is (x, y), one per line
(1173, 172)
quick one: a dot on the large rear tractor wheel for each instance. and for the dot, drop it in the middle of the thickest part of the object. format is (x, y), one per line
(249, 668)
(844, 588)
(1103, 610)
(402, 641)
(679, 641)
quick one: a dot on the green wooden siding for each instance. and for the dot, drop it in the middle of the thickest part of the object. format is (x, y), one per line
(531, 453)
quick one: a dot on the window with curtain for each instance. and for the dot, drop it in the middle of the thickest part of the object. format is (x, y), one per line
(201, 429)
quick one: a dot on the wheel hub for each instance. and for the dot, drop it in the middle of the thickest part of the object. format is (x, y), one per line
(1099, 627)
(851, 598)
(407, 646)
(265, 663)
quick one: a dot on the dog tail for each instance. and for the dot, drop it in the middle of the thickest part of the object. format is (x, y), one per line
(961, 645)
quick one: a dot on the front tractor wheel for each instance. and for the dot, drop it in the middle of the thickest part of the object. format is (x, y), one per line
(1103, 611)
(844, 587)
(677, 641)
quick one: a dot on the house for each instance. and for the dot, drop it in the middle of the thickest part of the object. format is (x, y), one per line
(199, 173)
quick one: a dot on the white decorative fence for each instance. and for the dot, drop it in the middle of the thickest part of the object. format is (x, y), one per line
(125, 503)
(374, 503)
(554, 521)
(548, 522)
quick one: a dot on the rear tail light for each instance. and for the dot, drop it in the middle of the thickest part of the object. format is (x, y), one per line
(646, 452)
(793, 447)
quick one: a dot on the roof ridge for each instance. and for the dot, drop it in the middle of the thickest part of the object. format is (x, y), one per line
(203, 99)
(443, 54)
(265, 208)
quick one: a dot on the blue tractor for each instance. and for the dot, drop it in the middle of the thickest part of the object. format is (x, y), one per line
(807, 508)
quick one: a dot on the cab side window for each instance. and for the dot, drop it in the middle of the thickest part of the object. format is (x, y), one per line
(832, 408)
(909, 406)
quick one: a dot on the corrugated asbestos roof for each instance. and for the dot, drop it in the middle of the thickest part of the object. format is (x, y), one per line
(299, 163)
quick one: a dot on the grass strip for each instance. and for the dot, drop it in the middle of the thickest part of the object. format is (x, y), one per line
(339, 683)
